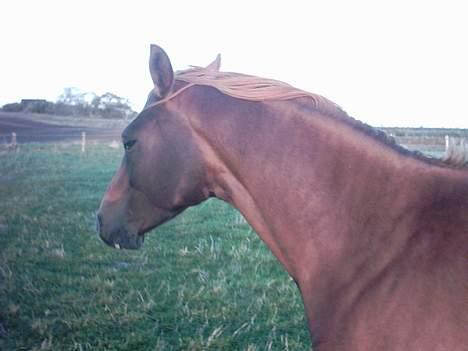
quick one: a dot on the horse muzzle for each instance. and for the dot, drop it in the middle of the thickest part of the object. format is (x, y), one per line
(118, 237)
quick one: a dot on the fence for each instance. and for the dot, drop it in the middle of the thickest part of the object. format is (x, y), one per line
(13, 140)
(445, 143)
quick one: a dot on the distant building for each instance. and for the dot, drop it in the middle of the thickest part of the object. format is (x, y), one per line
(34, 105)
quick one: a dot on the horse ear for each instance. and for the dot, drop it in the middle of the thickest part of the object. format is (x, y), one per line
(161, 71)
(215, 65)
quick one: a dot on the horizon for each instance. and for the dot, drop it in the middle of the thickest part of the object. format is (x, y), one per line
(395, 64)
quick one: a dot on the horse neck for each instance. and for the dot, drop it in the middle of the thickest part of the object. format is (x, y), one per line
(317, 192)
(286, 170)
(338, 209)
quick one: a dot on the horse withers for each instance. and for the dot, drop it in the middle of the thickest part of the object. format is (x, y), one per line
(375, 236)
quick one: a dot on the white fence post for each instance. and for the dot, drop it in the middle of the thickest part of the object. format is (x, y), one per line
(447, 143)
(13, 145)
(83, 141)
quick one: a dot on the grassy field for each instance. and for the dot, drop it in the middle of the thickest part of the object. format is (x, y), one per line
(203, 281)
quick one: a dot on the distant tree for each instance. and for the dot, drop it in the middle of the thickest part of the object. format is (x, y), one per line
(13, 107)
(72, 96)
(110, 105)
(75, 102)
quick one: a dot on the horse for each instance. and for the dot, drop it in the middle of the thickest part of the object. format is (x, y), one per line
(375, 236)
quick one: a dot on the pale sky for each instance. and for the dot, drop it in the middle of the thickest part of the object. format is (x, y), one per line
(387, 63)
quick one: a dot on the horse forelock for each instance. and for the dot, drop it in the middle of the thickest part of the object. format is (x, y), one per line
(252, 88)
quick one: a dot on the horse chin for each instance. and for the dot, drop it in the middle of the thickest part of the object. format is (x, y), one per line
(132, 243)
(124, 240)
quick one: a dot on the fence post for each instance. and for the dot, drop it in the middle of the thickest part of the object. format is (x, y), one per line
(13, 144)
(83, 141)
(447, 143)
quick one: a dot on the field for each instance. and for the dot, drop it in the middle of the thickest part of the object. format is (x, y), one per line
(203, 281)
(41, 128)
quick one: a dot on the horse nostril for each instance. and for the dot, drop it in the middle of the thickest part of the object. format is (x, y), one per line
(98, 223)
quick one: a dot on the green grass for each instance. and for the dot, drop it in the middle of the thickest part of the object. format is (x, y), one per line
(203, 281)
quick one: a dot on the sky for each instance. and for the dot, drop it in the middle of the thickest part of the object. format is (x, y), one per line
(387, 63)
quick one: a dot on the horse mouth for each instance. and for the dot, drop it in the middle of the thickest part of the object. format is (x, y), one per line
(123, 240)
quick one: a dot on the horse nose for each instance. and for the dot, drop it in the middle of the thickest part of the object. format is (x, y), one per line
(98, 223)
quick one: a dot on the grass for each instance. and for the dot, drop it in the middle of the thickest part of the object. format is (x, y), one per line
(203, 281)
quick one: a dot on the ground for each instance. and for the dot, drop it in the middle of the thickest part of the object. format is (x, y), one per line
(203, 281)
(45, 128)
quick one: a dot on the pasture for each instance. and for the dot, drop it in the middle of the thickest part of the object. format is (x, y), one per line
(203, 281)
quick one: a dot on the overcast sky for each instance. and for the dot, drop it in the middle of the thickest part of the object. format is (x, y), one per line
(387, 63)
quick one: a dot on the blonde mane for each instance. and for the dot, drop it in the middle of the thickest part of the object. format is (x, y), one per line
(251, 88)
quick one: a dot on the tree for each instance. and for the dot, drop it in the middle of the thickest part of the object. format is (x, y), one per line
(112, 106)
(75, 102)
(72, 96)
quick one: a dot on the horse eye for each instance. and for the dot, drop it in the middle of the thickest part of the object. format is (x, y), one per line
(128, 145)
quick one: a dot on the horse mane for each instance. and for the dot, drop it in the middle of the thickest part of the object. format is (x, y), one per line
(252, 88)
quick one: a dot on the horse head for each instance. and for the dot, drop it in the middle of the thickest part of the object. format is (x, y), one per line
(162, 171)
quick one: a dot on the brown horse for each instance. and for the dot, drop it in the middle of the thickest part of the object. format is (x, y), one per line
(375, 236)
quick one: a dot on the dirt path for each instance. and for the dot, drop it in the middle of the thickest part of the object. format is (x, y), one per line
(30, 128)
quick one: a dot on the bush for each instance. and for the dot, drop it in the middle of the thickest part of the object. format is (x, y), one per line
(14, 107)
